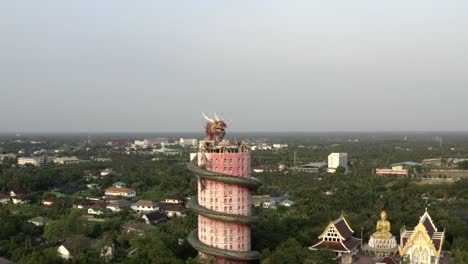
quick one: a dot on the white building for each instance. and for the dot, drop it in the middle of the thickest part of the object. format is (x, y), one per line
(280, 146)
(124, 192)
(188, 141)
(337, 159)
(140, 143)
(144, 206)
(36, 161)
(67, 160)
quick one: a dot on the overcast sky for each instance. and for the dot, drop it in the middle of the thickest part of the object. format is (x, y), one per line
(99, 66)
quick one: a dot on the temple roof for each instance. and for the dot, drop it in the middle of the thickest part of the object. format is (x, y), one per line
(427, 227)
(342, 226)
(346, 246)
(346, 243)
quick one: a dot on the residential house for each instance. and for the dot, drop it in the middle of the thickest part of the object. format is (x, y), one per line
(20, 199)
(144, 206)
(179, 211)
(119, 184)
(155, 218)
(174, 199)
(93, 186)
(17, 192)
(118, 205)
(48, 202)
(74, 245)
(122, 191)
(99, 208)
(106, 172)
(263, 168)
(40, 221)
(81, 204)
(287, 203)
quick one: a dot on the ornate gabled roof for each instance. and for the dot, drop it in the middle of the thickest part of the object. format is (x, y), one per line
(426, 220)
(424, 231)
(341, 226)
(346, 243)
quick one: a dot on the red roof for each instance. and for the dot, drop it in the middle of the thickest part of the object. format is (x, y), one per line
(100, 204)
(352, 243)
(343, 228)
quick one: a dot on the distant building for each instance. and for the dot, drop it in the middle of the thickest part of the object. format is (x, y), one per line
(287, 203)
(99, 208)
(155, 218)
(404, 165)
(179, 211)
(262, 168)
(144, 206)
(261, 146)
(174, 199)
(67, 160)
(336, 160)
(312, 167)
(280, 146)
(140, 143)
(119, 184)
(81, 204)
(156, 141)
(48, 202)
(74, 246)
(118, 205)
(436, 162)
(106, 172)
(35, 161)
(383, 172)
(188, 141)
(122, 191)
(40, 221)
(19, 197)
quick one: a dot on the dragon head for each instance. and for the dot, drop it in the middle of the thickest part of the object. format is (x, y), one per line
(215, 128)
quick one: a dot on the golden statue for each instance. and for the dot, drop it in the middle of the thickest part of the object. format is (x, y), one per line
(383, 227)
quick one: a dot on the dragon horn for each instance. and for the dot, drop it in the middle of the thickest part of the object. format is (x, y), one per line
(207, 118)
(216, 117)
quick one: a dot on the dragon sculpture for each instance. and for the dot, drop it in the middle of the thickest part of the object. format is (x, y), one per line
(214, 128)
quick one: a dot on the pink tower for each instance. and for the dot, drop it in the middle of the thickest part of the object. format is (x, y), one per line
(224, 201)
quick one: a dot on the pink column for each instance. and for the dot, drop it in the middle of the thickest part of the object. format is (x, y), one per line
(226, 198)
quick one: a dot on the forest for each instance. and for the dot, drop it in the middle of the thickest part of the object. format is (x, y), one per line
(282, 235)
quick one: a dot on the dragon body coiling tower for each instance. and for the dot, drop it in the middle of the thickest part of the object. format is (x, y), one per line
(224, 201)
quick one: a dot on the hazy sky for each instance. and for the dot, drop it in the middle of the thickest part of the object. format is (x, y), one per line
(94, 66)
